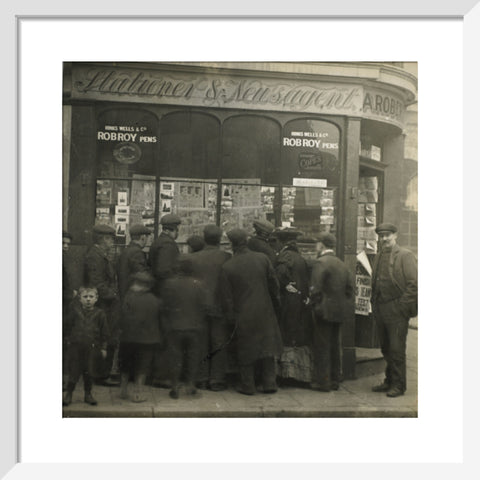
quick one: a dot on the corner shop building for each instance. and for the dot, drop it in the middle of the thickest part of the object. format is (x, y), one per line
(315, 146)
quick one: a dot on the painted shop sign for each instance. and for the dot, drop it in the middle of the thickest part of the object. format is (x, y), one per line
(123, 133)
(90, 82)
(381, 105)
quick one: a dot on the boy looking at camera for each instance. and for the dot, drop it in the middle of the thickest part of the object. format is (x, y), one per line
(86, 333)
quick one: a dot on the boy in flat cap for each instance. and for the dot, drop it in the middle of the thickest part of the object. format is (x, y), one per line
(132, 259)
(141, 333)
(259, 242)
(249, 289)
(394, 302)
(207, 265)
(100, 272)
(195, 243)
(184, 310)
(332, 295)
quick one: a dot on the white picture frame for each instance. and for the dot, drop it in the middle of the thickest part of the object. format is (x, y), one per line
(16, 241)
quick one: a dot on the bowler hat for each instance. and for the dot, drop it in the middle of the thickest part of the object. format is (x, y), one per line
(170, 219)
(139, 229)
(103, 229)
(327, 239)
(237, 236)
(263, 226)
(386, 227)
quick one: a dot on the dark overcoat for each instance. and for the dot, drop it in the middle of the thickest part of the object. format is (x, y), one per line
(141, 322)
(332, 289)
(163, 256)
(101, 273)
(403, 272)
(207, 264)
(249, 287)
(259, 244)
(132, 260)
(291, 267)
(184, 303)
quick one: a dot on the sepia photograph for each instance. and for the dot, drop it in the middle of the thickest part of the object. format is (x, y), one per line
(240, 239)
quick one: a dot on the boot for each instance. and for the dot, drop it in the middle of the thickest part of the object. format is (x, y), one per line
(67, 398)
(124, 386)
(89, 399)
(138, 390)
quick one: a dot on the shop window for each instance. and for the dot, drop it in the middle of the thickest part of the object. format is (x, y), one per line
(251, 149)
(189, 145)
(127, 145)
(311, 149)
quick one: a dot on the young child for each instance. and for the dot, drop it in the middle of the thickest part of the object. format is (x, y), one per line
(185, 309)
(86, 332)
(141, 334)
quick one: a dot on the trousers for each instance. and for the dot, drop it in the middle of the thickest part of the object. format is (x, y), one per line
(214, 369)
(185, 351)
(326, 350)
(392, 329)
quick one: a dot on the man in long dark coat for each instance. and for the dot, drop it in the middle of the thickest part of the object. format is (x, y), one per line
(163, 259)
(249, 290)
(394, 302)
(292, 273)
(207, 264)
(259, 242)
(133, 258)
(164, 250)
(100, 272)
(333, 297)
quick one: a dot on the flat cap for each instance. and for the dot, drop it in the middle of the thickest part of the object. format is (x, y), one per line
(139, 229)
(263, 226)
(327, 239)
(65, 234)
(386, 227)
(170, 219)
(212, 233)
(286, 233)
(196, 243)
(144, 277)
(237, 236)
(103, 229)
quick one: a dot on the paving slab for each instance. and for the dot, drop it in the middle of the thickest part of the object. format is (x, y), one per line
(353, 399)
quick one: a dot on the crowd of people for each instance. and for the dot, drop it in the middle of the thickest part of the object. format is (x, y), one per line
(173, 320)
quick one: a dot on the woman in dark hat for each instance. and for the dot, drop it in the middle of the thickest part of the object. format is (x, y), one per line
(292, 272)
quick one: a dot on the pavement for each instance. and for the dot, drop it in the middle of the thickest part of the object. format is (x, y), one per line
(353, 399)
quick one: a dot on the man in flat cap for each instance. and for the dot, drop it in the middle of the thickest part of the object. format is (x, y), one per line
(394, 302)
(332, 295)
(259, 241)
(249, 289)
(133, 258)
(164, 251)
(163, 258)
(292, 272)
(100, 272)
(207, 264)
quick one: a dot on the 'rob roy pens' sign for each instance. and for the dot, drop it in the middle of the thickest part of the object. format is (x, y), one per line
(212, 90)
